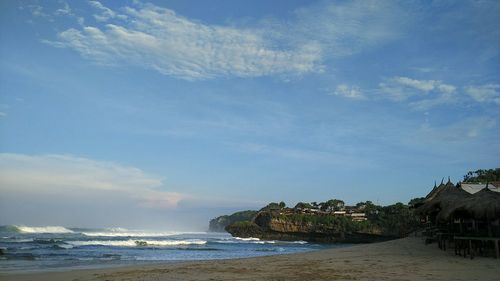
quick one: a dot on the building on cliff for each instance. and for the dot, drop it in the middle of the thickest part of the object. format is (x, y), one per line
(358, 216)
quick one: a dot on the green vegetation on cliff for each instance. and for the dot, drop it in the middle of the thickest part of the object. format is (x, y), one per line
(482, 176)
(333, 221)
(250, 228)
(219, 224)
(329, 221)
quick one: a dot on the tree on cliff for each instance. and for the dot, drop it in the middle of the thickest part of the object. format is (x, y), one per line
(218, 224)
(482, 176)
(397, 219)
(272, 206)
(416, 201)
(303, 205)
(332, 205)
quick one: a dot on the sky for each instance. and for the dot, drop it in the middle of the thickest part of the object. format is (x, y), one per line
(164, 114)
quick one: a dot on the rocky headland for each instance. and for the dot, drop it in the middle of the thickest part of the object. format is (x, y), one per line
(268, 226)
(327, 222)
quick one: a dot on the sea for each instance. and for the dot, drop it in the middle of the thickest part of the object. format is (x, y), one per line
(25, 249)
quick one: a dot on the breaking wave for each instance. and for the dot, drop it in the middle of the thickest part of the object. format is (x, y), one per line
(253, 240)
(247, 239)
(35, 229)
(137, 243)
(127, 234)
(123, 232)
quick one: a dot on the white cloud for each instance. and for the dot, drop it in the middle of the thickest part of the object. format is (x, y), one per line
(489, 93)
(64, 10)
(406, 83)
(157, 38)
(3, 114)
(347, 91)
(36, 10)
(345, 28)
(104, 12)
(64, 175)
(422, 85)
(425, 93)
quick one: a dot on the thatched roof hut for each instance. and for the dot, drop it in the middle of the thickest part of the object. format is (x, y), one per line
(435, 190)
(442, 198)
(484, 204)
(476, 187)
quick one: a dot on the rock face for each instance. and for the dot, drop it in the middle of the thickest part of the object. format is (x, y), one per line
(219, 224)
(267, 226)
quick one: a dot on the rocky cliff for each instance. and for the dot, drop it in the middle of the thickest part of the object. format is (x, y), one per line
(219, 224)
(313, 228)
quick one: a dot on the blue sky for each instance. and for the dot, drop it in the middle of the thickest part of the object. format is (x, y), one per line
(119, 113)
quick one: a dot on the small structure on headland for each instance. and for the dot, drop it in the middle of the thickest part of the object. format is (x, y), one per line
(466, 215)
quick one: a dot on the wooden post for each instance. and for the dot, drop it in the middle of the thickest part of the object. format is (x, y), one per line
(470, 249)
(490, 234)
(496, 248)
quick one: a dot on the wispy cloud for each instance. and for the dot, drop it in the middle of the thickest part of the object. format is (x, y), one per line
(64, 10)
(461, 132)
(291, 153)
(352, 92)
(421, 94)
(401, 88)
(64, 174)
(346, 28)
(489, 93)
(104, 12)
(157, 38)
(36, 10)
(297, 153)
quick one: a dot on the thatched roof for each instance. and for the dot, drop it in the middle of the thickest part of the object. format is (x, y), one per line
(476, 187)
(444, 196)
(484, 204)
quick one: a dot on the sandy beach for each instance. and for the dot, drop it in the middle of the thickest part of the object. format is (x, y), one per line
(403, 259)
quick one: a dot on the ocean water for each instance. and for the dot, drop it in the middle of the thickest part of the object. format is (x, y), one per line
(55, 248)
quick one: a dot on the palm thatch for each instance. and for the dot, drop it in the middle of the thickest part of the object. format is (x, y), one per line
(445, 197)
(435, 190)
(484, 204)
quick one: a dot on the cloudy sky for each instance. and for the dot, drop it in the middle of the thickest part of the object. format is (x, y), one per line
(164, 114)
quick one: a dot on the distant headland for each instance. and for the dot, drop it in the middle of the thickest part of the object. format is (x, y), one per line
(332, 221)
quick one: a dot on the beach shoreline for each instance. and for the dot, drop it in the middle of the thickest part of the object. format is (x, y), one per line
(401, 259)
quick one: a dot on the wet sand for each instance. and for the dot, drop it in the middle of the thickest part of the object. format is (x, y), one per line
(403, 259)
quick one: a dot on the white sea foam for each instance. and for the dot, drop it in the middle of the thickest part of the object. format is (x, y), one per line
(65, 246)
(247, 239)
(253, 240)
(122, 232)
(20, 240)
(127, 234)
(43, 229)
(134, 243)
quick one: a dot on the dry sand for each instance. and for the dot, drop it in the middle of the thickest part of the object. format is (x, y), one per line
(403, 259)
